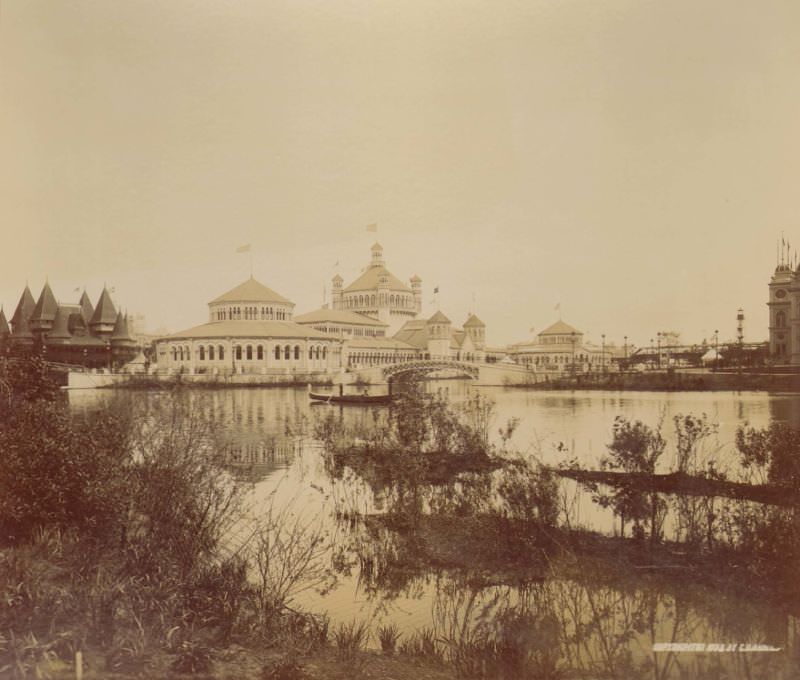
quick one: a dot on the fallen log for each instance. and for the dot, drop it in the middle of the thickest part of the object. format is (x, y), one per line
(684, 484)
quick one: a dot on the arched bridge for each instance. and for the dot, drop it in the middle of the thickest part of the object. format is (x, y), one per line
(429, 366)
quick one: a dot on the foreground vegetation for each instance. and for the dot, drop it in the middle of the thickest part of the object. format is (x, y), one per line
(113, 556)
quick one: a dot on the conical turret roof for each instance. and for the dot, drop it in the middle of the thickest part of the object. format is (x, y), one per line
(87, 309)
(5, 331)
(22, 314)
(105, 312)
(46, 307)
(60, 330)
(121, 333)
(24, 307)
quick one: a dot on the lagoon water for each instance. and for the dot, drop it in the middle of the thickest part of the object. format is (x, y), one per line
(269, 434)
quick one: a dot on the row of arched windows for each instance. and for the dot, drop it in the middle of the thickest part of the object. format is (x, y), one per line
(361, 301)
(250, 313)
(248, 353)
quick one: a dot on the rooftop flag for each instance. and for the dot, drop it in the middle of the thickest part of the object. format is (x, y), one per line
(243, 249)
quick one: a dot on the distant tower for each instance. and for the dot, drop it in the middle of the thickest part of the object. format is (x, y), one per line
(336, 293)
(416, 288)
(740, 326)
(439, 336)
(780, 307)
(377, 255)
(476, 330)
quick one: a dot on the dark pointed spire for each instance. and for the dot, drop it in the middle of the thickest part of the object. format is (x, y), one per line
(105, 313)
(46, 307)
(87, 309)
(60, 330)
(5, 331)
(120, 333)
(19, 322)
(24, 306)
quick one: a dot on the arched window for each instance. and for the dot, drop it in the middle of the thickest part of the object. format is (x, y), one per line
(310, 352)
(238, 352)
(260, 353)
(372, 301)
(277, 352)
(297, 352)
(221, 352)
(211, 352)
(780, 319)
(249, 352)
(324, 352)
(287, 352)
(174, 354)
(202, 353)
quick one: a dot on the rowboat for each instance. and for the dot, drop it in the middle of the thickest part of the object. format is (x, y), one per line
(350, 398)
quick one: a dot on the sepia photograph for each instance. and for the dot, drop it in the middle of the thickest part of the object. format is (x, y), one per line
(379, 340)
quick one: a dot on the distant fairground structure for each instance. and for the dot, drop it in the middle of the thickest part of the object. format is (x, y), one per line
(77, 334)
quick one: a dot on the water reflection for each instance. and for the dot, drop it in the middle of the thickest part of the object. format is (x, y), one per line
(494, 600)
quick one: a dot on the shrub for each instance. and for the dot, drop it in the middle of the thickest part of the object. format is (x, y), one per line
(529, 493)
(388, 636)
(350, 638)
(774, 452)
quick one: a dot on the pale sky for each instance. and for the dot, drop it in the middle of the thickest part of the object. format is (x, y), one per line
(633, 161)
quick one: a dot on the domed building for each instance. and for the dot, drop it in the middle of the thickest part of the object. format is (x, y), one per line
(379, 294)
(250, 330)
(561, 348)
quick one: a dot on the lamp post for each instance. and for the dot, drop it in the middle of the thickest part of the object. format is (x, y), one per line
(625, 346)
(658, 336)
(603, 353)
(572, 335)
(716, 349)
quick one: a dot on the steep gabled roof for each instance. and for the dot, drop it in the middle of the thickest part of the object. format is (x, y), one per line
(5, 331)
(439, 317)
(474, 321)
(46, 307)
(105, 312)
(369, 280)
(87, 309)
(24, 307)
(251, 291)
(560, 328)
